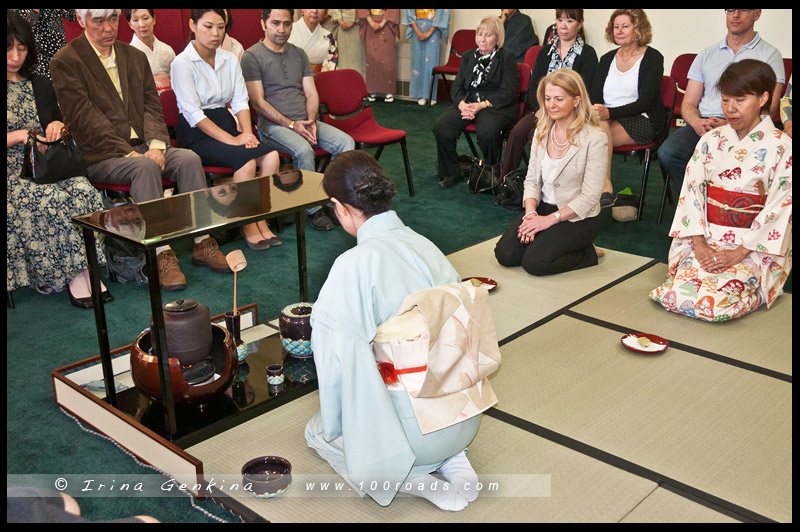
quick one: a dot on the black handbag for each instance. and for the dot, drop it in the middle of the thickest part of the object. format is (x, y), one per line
(512, 190)
(482, 178)
(61, 159)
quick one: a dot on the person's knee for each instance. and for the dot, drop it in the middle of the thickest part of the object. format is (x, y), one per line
(536, 267)
(505, 256)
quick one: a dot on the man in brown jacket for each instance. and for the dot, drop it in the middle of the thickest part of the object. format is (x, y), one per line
(110, 103)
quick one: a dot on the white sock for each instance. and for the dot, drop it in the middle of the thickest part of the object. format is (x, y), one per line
(435, 490)
(200, 239)
(459, 472)
(162, 249)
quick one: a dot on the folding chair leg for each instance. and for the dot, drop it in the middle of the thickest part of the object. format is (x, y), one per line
(471, 144)
(644, 182)
(408, 167)
(666, 192)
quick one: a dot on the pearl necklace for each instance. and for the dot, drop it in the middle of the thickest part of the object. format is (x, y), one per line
(559, 148)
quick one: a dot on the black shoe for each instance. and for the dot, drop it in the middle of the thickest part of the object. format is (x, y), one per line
(328, 208)
(320, 220)
(450, 180)
(86, 302)
(607, 200)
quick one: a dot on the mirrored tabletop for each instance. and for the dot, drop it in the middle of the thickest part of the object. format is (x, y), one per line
(164, 220)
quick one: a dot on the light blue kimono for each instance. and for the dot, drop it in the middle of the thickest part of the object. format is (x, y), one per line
(368, 434)
(425, 54)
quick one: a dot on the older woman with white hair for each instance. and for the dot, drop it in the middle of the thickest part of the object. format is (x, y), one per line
(484, 93)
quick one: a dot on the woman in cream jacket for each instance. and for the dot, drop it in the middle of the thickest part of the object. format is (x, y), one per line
(565, 179)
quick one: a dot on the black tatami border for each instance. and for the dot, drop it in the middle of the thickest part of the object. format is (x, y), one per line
(701, 497)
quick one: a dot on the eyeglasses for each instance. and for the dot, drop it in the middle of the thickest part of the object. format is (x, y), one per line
(741, 11)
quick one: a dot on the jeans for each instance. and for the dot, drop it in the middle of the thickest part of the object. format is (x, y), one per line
(283, 139)
(675, 153)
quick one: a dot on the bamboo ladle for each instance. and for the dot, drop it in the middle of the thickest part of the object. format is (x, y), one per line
(237, 262)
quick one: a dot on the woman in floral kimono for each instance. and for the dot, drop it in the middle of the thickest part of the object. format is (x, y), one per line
(732, 247)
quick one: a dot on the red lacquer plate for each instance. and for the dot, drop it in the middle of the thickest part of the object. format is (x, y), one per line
(491, 284)
(657, 344)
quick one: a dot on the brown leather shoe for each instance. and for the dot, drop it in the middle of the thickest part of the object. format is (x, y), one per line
(207, 253)
(169, 273)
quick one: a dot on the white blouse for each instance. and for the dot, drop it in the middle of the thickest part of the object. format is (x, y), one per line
(621, 88)
(197, 86)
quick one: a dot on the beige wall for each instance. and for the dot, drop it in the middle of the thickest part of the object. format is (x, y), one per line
(675, 31)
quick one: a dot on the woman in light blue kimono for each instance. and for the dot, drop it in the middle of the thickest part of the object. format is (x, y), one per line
(426, 29)
(368, 434)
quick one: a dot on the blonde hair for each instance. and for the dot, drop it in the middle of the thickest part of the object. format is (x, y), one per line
(494, 25)
(642, 31)
(572, 83)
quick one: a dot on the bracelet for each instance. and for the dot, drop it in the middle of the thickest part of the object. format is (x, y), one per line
(534, 213)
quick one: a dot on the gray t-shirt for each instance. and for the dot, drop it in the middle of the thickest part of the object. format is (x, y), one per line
(282, 75)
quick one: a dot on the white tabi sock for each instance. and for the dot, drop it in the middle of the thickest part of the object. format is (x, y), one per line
(435, 490)
(459, 472)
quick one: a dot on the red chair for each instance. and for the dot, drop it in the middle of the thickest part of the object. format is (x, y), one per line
(522, 97)
(169, 106)
(679, 71)
(343, 93)
(649, 152)
(463, 40)
(531, 55)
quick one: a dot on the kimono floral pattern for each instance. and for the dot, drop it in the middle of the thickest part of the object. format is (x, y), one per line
(758, 164)
(44, 249)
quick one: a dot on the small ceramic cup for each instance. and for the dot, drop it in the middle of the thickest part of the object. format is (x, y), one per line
(275, 374)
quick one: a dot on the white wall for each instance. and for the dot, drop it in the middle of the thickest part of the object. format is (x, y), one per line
(675, 31)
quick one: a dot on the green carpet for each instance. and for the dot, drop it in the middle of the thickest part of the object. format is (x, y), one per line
(47, 332)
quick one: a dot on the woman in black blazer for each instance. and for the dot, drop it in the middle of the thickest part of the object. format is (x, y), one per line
(484, 92)
(630, 108)
(568, 50)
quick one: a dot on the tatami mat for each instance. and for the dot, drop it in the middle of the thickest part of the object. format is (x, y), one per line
(763, 338)
(522, 299)
(582, 489)
(722, 430)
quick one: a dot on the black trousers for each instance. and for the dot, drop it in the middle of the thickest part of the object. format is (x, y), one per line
(489, 124)
(563, 247)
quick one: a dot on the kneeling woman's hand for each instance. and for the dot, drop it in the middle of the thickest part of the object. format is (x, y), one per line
(533, 224)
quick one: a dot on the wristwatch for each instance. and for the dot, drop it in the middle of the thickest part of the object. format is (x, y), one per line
(558, 216)
(291, 125)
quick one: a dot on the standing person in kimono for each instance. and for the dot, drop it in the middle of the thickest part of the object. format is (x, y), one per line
(379, 29)
(426, 29)
(732, 230)
(368, 434)
(351, 47)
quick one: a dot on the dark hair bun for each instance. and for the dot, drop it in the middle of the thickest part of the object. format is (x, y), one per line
(373, 192)
(356, 178)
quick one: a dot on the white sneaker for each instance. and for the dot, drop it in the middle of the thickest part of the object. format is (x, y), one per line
(422, 101)
(371, 98)
(389, 98)
(433, 102)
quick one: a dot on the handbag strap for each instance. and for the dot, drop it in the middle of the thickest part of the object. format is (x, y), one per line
(33, 137)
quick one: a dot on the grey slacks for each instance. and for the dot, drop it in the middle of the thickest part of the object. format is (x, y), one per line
(144, 175)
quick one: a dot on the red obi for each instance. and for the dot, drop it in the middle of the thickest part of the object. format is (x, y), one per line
(731, 208)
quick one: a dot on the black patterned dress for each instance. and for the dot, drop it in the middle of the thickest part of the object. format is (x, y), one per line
(45, 250)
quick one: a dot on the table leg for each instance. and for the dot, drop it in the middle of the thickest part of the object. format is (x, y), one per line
(158, 338)
(100, 316)
(300, 223)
